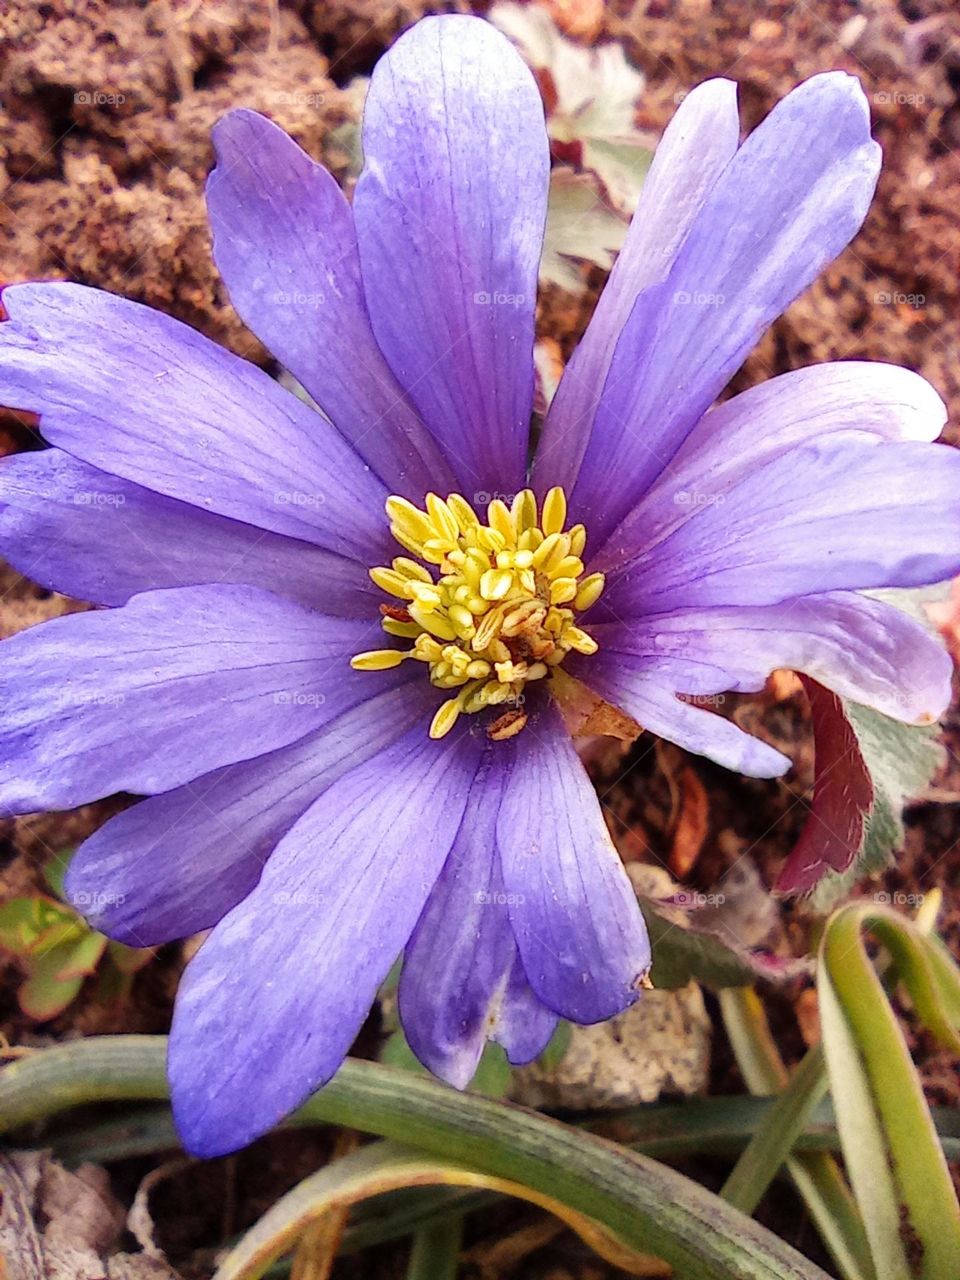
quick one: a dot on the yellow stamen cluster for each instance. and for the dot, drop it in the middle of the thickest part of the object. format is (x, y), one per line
(498, 610)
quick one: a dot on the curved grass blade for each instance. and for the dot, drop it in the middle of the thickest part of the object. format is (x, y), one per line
(897, 1166)
(815, 1174)
(387, 1166)
(648, 1207)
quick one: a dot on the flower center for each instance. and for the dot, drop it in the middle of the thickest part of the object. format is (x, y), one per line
(497, 607)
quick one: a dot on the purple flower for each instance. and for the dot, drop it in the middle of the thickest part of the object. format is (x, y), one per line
(320, 816)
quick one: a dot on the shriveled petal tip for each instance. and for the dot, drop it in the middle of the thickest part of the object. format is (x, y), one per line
(450, 212)
(862, 648)
(271, 1003)
(284, 243)
(649, 693)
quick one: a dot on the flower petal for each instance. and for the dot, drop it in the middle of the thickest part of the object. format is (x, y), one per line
(832, 516)
(172, 685)
(285, 244)
(176, 863)
(649, 695)
(459, 986)
(856, 398)
(578, 927)
(863, 649)
(276, 995)
(95, 537)
(142, 396)
(789, 201)
(696, 147)
(450, 211)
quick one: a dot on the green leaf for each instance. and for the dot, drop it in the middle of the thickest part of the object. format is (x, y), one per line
(650, 1208)
(55, 871)
(896, 1163)
(684, 951)
(557, 1047)
(815, 1174)
(31, 922)
(581, 227)
(492, 1077)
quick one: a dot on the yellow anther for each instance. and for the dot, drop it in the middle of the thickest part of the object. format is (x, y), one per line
(563, 590)
(406, 630)
(569, 567)
(488, 630)
(445, 718)
(435, 550)
(490, 539)
(499, 518)
(525, 616)
(395, 584)
(408, 519)
(553, 544)
(427, 649)
(433, 622)
(409, 569)
(462, 619)
(495, 584)
(461, 508)
(554, 514)
(509, 671)
(490, 607)
(377, 660)
(580, 641)
(524, 510)
(590, 591)
(411, 544)
(442, 519)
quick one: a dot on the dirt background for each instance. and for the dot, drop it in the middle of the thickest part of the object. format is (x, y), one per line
(104, 146)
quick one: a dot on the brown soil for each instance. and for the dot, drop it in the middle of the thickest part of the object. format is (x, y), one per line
(104, 145)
